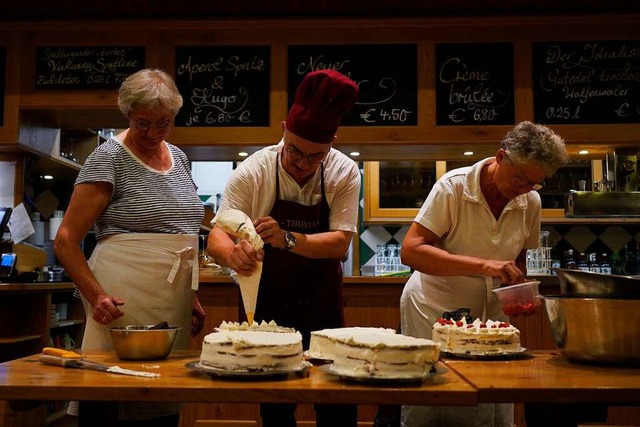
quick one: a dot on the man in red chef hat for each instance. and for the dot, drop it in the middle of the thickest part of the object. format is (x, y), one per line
(302, 196)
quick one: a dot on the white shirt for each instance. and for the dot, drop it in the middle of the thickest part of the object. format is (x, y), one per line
(252, 187)
(457, 211)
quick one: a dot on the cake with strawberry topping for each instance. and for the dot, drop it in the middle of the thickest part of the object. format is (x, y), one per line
(488, 337)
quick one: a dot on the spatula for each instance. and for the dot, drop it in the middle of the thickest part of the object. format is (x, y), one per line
(161, 325)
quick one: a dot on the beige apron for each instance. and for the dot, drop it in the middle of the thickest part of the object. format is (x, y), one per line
(154, 275)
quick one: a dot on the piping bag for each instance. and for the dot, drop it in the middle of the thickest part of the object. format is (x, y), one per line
(239, 225)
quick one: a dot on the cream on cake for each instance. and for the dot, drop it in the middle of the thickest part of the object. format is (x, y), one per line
(479, 337)
(251, 348)
(322, 342)
(375, 352)
(244, 326)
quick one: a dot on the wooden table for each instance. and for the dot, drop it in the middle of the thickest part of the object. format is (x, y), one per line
(547, 377)
(544, 376)
(28, 379)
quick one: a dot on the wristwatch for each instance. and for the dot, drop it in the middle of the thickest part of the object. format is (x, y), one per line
(289, 241)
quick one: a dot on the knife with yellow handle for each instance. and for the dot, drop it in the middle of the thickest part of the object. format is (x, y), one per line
(60, 352)
(70, 362)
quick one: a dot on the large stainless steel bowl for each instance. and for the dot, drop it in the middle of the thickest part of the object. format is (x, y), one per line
(587, 284)
(596, 330)
(139, 342)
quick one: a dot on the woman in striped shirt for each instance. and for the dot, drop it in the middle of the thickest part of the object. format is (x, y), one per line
(136, 190)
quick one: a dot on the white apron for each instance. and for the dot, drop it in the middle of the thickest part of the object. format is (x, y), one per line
(422, 304)
(154, 275)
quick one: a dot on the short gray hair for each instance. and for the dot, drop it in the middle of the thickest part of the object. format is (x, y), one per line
(536, 145)
(149, 88)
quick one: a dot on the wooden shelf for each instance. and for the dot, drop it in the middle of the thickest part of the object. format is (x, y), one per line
(18, 339)
(65, 323)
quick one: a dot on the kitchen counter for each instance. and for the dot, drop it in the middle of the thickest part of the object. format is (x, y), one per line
(212, 278)
(36, 286)
(542, 376)
(350, 280)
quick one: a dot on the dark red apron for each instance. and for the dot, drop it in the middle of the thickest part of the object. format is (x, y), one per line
(296, 291)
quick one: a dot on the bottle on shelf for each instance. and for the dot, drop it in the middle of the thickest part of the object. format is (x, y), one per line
(569, 260)
(582, 262)
(605, 264)
(594, 265)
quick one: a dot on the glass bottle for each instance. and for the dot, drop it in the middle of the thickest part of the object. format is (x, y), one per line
(582, 262)
(593, 263)
(569, 260)
(605, 265)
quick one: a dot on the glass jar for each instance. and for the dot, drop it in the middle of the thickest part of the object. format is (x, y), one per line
(381, 259)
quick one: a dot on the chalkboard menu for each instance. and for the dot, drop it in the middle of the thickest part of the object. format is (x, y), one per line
(474, 84)
(586, 82)
(223, 85)
(385, 74)
(3, 66)
(86, 67)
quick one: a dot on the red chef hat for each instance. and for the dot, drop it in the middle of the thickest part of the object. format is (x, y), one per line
(322, 99)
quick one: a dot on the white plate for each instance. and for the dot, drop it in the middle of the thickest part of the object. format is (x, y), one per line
(372, 379)
(250, 375)
(488, 355)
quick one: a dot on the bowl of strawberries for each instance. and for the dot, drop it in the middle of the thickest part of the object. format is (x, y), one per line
(519, 299)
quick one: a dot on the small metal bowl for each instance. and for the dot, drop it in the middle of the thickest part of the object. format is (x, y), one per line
(139, 342)
(596, 330)
(588, 284)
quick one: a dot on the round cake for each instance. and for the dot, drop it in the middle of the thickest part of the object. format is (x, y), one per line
(374, 352)
(261, 347)
(489, 337)
(322, 343)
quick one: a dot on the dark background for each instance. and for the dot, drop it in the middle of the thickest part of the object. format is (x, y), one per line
(203, 9)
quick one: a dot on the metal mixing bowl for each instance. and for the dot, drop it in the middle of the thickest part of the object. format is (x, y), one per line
(596, 330)
(138, 342)
(587, 284)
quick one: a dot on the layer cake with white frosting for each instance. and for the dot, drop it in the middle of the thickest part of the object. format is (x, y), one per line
(488, 337)
(253, 348)
(374, 352)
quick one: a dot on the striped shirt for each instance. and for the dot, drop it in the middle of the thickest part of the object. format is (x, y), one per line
(143, 200)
